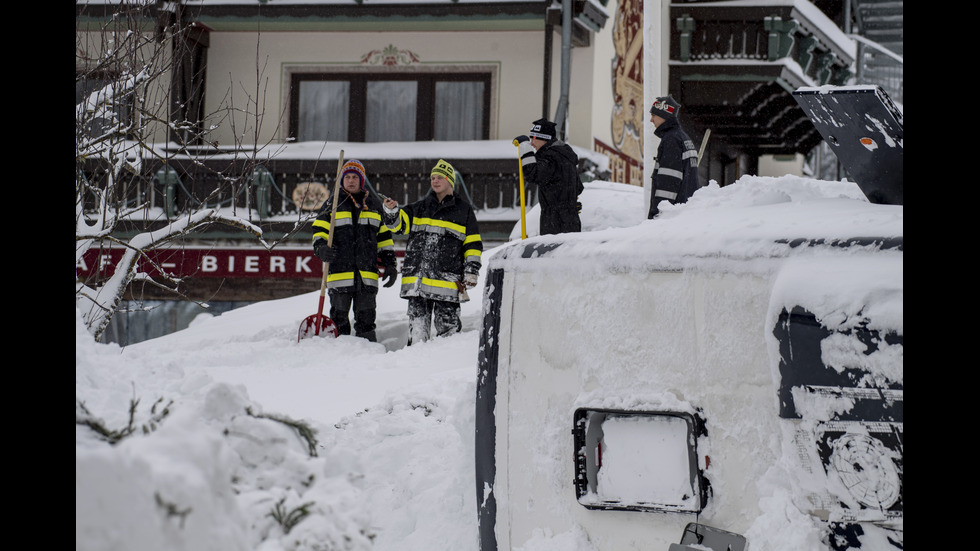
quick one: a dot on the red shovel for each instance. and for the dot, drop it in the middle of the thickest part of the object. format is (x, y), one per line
(318, 324)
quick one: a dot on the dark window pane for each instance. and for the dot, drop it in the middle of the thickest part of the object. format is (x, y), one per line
(391, 111)
(110, 101)
(323, 110)
(459, 111)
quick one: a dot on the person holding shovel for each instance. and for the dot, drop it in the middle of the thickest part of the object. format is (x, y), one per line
(360, 243)
(553, 166)
(442, 257)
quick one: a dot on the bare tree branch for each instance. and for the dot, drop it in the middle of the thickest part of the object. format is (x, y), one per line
(127, 72)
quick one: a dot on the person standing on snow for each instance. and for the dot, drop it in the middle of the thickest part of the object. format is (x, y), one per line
(360, 242)
(675, 168)
(553, 166)
(443, 255)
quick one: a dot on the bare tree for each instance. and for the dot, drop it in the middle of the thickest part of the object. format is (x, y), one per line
(135, 110)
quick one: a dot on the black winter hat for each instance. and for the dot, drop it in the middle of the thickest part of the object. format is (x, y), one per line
(665, 107)
(543, 129)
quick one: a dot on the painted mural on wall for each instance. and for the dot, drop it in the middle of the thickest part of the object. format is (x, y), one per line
(627, 80)
(626, 152)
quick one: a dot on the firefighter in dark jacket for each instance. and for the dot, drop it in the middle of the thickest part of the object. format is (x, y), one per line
(675, 169)
(360, 242)
(443, 255)
(553, 166)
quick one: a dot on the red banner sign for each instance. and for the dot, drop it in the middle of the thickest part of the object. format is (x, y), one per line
(209, 262)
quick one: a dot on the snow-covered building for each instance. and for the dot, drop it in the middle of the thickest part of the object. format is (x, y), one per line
(256, 98)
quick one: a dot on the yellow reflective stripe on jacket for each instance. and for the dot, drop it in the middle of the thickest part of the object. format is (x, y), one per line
(340, 276)
(401, 221)
(346, 279)
(343, 218)
(453, 227)
(325, 234)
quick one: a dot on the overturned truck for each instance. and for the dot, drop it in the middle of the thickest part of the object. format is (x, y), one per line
(728, 374)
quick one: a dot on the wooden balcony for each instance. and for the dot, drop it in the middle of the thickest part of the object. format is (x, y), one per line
(281, 194)
(734, 66)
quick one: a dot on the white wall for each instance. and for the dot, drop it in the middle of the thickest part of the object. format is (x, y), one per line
(603, 54)
(656, 55)
(133, 52)
(516, 57)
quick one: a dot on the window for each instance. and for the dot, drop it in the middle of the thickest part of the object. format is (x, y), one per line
(320, 102)
(381, 107)
(105, 90)
(638, 460)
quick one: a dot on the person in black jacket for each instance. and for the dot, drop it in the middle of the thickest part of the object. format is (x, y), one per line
(442, 258)
(553, 166)
(360, 242)
(675, 168)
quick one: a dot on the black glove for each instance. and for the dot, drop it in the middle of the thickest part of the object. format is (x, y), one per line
(578, 207)
(324, 251)
(391, 272)
(524, 148)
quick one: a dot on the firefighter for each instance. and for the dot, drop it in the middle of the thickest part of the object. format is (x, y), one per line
(553, 166)
(675, 168)
(360, 243)
(442, 257)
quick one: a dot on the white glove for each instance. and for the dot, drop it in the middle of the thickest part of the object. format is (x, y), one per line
(470, 280)
(524, 148)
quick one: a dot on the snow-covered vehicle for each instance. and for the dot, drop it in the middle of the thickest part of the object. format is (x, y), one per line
(729, 374)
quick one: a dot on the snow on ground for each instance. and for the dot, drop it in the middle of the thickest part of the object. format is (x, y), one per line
(231, 435)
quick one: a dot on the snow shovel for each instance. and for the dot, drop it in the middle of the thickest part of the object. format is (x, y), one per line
(704, 143)
(318, 324)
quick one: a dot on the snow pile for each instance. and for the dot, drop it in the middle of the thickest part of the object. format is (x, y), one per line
(231, 435)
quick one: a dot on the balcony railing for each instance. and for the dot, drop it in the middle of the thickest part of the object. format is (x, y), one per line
(770, 32)
(284, 190)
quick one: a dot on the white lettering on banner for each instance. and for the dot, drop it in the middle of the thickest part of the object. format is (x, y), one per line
(210, 263)
(302, 264)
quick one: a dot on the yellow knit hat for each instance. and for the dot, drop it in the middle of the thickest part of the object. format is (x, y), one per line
(443, 168)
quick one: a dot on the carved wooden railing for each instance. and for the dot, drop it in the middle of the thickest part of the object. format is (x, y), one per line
(278, 193)
(763, 33)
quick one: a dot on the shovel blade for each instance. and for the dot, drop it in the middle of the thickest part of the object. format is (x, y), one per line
(309, 327)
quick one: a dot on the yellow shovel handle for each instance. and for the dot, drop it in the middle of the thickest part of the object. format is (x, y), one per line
(520, 170)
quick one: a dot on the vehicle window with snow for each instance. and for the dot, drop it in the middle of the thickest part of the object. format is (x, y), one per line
(639, 461)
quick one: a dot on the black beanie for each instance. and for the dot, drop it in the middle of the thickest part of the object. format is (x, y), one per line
(665, 107)
(543, 129)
